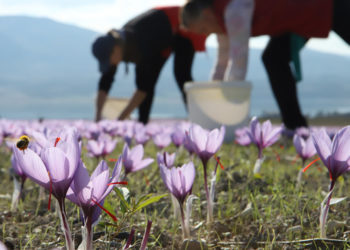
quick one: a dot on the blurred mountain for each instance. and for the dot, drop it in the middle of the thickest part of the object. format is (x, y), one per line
(47, 70)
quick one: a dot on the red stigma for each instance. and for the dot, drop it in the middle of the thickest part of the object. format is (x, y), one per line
(311, 164)
(219, 162)
(109, 213)
(120, 183)
(49, 204)
(113, 160)
(57, 140)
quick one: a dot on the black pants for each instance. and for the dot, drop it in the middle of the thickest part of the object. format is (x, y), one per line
(147, 73)
(276, 58)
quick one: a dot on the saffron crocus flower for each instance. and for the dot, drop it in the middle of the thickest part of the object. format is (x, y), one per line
(205, 145)
(89, 193)
(54, 169)
(101, 147)
(242, 136)
(166, 159)
(335, 155)
(178, 137)
(179, 182)
(132, 159)
(305, 149)
(263, 136)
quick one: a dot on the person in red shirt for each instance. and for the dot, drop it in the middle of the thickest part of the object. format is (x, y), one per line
(146, 40)
(289, 23)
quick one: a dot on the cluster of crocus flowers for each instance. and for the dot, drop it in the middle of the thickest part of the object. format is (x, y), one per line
(205, 145)
(262, 135)
(335, 155)
(54, 169)
(179, 182)
(162, 140)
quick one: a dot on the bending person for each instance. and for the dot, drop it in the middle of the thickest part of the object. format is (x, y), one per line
(289, 23)
(147, 40)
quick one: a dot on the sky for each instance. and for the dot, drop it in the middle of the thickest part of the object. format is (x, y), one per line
(101, 15)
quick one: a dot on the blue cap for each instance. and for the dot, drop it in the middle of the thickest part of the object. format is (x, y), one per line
(102, 49)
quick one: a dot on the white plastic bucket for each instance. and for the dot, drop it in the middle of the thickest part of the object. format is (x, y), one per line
(212, 104)
(113, 107)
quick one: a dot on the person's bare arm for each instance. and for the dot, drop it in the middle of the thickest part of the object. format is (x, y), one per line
(134, 102)
(100, 101)
(104, 85)
(218, 72)
(238, 20)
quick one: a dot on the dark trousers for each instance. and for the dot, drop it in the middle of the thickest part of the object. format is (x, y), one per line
(148, 71)
(277, 58)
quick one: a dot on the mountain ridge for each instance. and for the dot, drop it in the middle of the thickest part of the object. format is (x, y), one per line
(48, 68)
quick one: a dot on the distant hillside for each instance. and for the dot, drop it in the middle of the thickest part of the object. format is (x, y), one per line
(47, 70)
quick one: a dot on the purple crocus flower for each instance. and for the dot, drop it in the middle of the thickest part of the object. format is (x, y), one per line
(101, 147)
(205, 145)
(335, 155)
(132, 159)
(60, 161)
(166, 159)
(179, 182)
(178, 137)
(89, 193)
(305, 149)
(242, 136)
(262, 136)
(54, 169)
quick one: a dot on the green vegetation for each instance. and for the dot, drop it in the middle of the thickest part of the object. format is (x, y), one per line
(266, 213)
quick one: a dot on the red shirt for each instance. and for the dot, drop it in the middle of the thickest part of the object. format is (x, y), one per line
(308, 18)
(173, 13)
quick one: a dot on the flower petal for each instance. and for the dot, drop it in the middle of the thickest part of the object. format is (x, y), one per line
(323, 145)
(32, 166)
